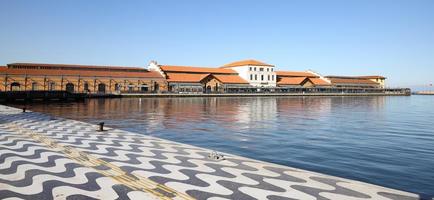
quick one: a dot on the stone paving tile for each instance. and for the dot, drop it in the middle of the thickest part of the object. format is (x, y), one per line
(43, 157)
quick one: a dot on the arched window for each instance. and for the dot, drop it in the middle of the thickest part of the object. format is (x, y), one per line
(144, 88)
(156, 87)
(101, 88)
(130, 87)
(70, 87)
(15, 86)
(86, 87)
(117, 87)
(51, 86)
(34, 86)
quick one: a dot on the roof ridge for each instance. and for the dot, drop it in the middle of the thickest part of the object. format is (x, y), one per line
(247, 62)
(189, 66)
(72, 65)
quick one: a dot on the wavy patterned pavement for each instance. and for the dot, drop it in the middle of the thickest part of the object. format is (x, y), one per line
(42, 157)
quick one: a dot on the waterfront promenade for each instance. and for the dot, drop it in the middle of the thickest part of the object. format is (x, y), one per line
(424, 93)
(257, 94)
(45, 157)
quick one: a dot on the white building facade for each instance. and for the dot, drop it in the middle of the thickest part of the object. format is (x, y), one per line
(258, 74)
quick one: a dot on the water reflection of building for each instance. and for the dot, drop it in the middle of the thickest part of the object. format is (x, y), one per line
(145, 114)
(297, 110)
(234, 115)
(256, 113)
(359, 103)
(304, 105)
(244, 113)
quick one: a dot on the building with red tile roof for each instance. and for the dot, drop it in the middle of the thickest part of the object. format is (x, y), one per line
(199, 79)
(190, 69)
(296, 74)
(381, 80)
(301, 79)
(291, 81)
(240, 76)
(353, 82)
(320, 82)
(79, 78)
(185, 77)
(230, 79)
(256, 73)
(71, 67)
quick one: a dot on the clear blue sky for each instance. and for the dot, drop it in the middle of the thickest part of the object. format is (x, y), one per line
(358, 37)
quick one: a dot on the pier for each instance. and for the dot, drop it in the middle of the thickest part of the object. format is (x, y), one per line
(424, 93)
(46, 157)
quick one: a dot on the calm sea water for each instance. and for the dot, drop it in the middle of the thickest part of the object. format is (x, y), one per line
(387, 141)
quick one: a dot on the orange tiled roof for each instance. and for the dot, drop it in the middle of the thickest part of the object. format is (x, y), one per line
(351, 81)
(290, 80)
(189, 69)
(318, 81)
(185, 77)
(65, 66)
(372, 77)
(295, 74)
(250, 62)
(234, 79)
(83, 72)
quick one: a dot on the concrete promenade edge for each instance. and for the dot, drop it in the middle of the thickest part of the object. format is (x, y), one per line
(252, 94)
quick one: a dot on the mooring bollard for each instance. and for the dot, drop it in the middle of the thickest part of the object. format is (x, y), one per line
(24, 109)
(101, 126)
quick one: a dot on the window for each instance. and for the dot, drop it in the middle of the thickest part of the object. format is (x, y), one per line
(51, 86)
(255, 69)
(250, 68)
(157, 87)
(34, 86)
(271, 69)
(144, 88)
(261, 69)
(101, 88)
(272, 77)
(268, 69)
(117, 87)
(251, 76)
(262, 77)
(268, 77)
(86, 87)
(69, 87)
(256, 77)
(15, 86)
